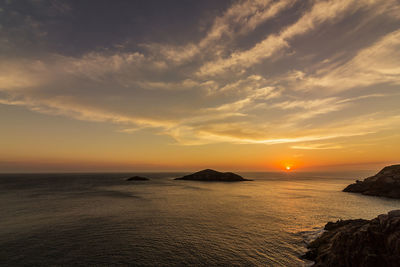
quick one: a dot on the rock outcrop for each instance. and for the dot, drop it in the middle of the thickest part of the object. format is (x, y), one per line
(385, 183)
(137, 178)
(363, 243)
(211, 175)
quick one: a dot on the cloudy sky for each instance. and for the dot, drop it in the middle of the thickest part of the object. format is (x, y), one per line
(179, 85)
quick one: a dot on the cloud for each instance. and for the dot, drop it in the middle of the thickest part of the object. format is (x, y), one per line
(181, 85)
(221, 136)
(20, 74)
(264, 93)
(307, 109)
(239, 19)
(248, 133)
(238, 61)
(375, 64)
(321, 12)
(359, 126)
(305, 104)
(207, 92)
(64, 107)
(316, 146)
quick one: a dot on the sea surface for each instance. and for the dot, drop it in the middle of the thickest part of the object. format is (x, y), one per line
(102, 220)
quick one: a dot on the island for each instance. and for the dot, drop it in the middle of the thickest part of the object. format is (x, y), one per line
(358, 242)
(137, 178)
(385, 183)
(212, 175)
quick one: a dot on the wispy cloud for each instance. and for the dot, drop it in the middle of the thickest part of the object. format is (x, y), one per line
(239, 19)
(376, 64)
(321, 12)
(316, 146)
(62, 106)
(213, 89)
(264, 94)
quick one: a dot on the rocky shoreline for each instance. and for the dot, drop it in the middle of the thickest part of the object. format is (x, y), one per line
(358, 242)
(385, 183)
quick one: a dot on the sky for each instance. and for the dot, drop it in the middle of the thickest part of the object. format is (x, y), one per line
(183, 85)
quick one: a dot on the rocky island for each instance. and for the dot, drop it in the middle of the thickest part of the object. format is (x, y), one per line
(358, 242)
(212, 175)
(137, 178)
(385, 183)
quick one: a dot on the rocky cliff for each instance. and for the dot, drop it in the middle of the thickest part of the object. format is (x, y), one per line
(359, 242)
(385, 183)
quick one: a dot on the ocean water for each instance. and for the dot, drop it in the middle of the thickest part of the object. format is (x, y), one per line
(103, 220)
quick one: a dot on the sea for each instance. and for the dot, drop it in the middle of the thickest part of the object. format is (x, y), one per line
(100, 219)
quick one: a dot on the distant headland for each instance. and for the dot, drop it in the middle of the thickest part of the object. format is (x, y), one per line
(385, 183)
(212, 175)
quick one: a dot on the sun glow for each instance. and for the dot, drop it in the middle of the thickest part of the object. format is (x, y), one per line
(288, 168)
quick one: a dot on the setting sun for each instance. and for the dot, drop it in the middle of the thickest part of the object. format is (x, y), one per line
(287, 168)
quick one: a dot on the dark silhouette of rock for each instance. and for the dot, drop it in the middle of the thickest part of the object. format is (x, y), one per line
(359, 243)
(211, 175)
(385, 183)
(137, 178)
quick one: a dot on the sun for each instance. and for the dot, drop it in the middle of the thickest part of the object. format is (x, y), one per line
(287, 168)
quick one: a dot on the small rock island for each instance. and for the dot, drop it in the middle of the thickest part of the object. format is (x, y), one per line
(358, 242)
(385, 183)
(138, 178)
(212, 175)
